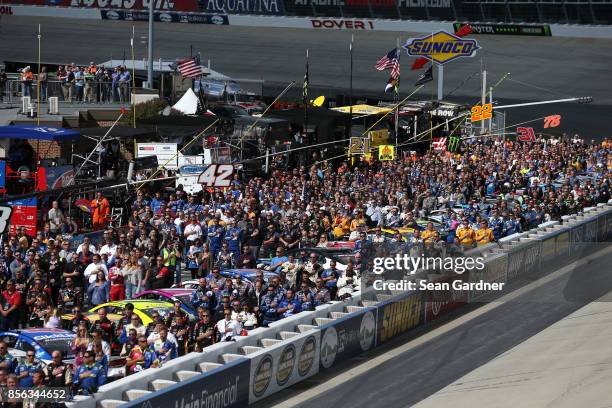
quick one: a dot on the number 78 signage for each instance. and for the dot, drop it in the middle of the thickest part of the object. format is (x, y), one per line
(217, 175)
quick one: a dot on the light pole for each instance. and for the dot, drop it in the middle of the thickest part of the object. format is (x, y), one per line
(150, 46)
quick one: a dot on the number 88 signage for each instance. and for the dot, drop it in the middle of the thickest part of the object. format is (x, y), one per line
(217, 175)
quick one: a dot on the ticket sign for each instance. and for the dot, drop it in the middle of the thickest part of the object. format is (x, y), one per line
(441, 47)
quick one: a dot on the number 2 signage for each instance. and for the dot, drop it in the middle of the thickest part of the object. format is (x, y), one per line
(217, 175)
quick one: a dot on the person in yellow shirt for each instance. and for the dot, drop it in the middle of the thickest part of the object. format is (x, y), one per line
(358, 221)
(428, 235)
(484, 234)
(465, 234)
(342, 225)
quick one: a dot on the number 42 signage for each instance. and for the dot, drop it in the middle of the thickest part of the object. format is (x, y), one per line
(217, 175)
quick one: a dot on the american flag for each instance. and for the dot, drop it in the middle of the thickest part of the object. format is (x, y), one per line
(390, 61)
(190, 67)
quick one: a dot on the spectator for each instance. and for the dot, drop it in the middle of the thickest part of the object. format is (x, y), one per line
(87, 377)
(57, 373)
(26, 78)
(99, 290)
(12, 301)
(228, 328)
(100, 212)
(27, 368)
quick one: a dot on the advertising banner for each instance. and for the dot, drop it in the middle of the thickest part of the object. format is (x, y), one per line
(590, 231)
(58, 177)
(24, 215)
(347, 337)
(440, 302)
(226, 386)
(279, 366)
(399, 315)
(260, 7)
(562, 248)
(549, 247)
(165, 17)
(166, 153)
(609, 225)
(495, 271)
(541, 30)
(577, 236)
(2, 174)
(602, 227)
(175, 5)
(441, 47)
(524, 260)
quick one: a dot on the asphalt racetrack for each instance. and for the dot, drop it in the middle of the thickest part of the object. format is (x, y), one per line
(547, 67)
(416, 374)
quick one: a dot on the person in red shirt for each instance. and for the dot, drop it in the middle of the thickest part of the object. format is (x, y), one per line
(11, 301)
(117, 288)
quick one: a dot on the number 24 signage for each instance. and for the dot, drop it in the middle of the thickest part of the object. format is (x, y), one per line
(217, 175)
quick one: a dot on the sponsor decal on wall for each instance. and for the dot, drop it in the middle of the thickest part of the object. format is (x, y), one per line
(342, 24)
(175, 5)
(264, 7)
(400, 316)
(165, 17)
(282, 365)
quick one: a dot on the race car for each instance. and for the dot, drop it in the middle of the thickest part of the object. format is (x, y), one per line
(143, 308)
(182, 295)
(248, 274)
(42, 341)
(324, 256)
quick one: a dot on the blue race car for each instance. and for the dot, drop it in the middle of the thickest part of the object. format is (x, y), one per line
(42, 341)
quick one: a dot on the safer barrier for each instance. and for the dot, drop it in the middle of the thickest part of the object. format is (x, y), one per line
(297, 348)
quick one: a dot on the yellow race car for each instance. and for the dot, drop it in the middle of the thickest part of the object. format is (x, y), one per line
(143, 308)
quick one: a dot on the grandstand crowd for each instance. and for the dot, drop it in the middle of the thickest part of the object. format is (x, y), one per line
(436, 200)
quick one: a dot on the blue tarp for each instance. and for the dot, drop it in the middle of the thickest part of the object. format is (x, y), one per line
(39, 133)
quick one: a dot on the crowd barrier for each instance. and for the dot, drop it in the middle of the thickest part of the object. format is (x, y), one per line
(299, 347)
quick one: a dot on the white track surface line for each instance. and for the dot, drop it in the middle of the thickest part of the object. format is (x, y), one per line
(375, 362)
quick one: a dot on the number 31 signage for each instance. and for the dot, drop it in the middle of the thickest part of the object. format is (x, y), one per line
(217, 175)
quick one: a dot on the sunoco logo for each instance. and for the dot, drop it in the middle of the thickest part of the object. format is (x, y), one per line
(307, 356)
(329, 347)
(286, 362)
(441, 47)
(367, 331)
(263, 374)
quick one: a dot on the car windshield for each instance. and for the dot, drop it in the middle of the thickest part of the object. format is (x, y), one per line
(162, 311)
(185, 299)
(60, 344)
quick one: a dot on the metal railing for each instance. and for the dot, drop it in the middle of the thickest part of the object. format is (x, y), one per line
(88, 92)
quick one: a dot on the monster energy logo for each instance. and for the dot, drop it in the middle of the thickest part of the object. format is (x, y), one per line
(453, 143)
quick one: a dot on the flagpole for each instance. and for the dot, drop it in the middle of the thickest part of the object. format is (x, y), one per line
(305, 97)
(38, 83)
(440, 76)
(397, 50)
(350, 132)
(133, 79)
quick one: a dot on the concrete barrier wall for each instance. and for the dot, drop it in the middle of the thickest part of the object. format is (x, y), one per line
(321, 23)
